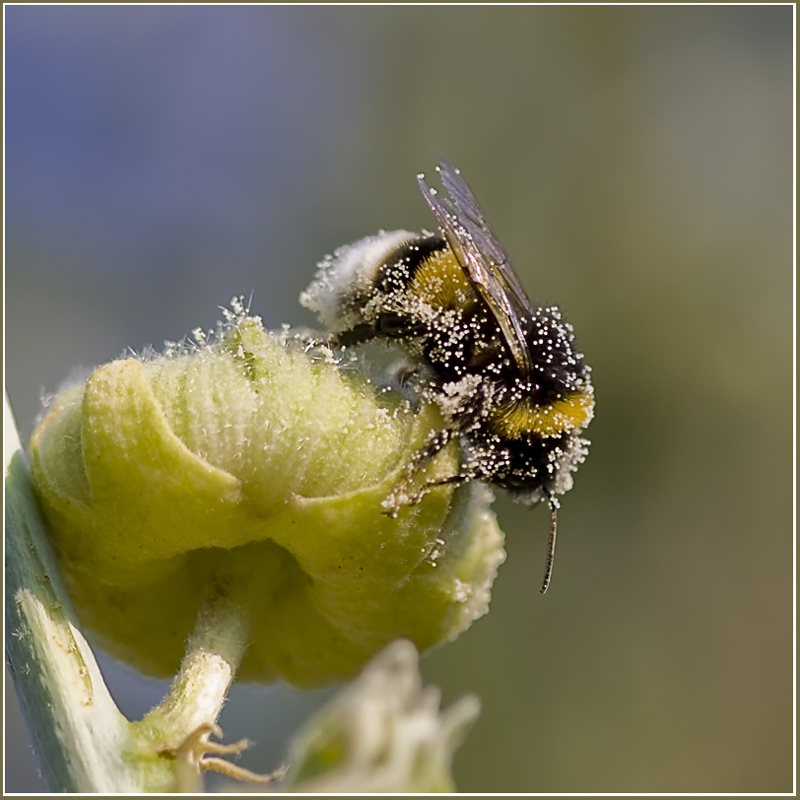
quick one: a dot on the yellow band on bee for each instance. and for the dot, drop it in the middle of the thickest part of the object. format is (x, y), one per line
(441, 283)
(524, 418)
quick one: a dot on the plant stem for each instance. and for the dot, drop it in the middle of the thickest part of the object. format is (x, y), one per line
(77, 730)
(199, 689)
(84, 743)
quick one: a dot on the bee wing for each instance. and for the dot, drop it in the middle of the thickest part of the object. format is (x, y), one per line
(483, 259)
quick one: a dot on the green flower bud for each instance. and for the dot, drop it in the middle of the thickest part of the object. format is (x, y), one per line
(248, 468)
(384, 733)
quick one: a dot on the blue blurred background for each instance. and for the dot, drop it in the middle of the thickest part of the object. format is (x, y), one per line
(637, 164)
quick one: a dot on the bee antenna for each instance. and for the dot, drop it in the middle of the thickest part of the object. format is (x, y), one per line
(551, 545)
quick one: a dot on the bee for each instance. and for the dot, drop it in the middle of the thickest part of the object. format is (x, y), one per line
(506, 375)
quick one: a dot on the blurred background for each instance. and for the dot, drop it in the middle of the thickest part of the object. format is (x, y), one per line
(637, 164)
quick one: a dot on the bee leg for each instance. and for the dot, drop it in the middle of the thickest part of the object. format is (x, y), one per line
(419, 460)
(358, 335)
(413, 499)
(386, 326)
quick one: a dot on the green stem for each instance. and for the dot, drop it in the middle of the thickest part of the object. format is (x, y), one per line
(84, 743)
(199, 689)
(76, 728)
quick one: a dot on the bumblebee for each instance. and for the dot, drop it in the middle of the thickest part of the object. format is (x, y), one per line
(506, 375)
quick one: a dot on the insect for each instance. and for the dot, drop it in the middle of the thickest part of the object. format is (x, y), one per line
(506, 375)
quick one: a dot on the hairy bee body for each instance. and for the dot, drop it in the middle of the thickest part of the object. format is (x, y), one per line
(506, 376)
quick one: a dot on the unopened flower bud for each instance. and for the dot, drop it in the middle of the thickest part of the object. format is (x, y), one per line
(250, 468)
